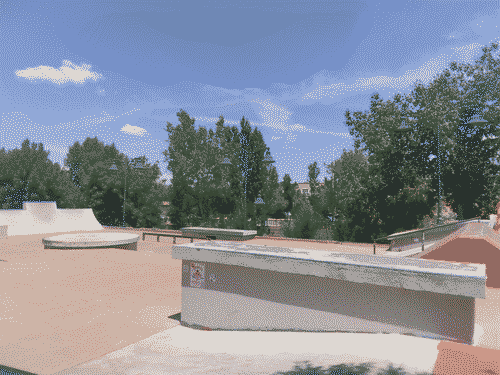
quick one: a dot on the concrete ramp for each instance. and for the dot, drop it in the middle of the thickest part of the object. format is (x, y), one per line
(472, 230)
(45, 217)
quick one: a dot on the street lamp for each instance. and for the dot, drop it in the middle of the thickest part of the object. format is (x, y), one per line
(439, 168)
(113, 167)
(267, 160)
(475, 120)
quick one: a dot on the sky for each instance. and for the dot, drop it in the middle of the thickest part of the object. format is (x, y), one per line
(119, 70)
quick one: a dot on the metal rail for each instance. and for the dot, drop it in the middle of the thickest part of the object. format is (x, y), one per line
(411, 233)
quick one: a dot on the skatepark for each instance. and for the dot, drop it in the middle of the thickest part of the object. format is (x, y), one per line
(72, 305)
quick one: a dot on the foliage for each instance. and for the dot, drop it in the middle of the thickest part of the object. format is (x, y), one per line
(305, 222)
(106, 190)
(28, 175)
(275, 202)
(320, 196)
(347, 201)
(289, 191)
(216, 189)
(184, 157)
(250, 162)
(400, 138)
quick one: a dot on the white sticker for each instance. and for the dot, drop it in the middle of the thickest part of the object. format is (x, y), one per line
(197, 275)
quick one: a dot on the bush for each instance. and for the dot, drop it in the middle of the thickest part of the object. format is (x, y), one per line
(306, 224)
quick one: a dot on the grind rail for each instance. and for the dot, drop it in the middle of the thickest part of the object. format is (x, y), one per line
(410, 238)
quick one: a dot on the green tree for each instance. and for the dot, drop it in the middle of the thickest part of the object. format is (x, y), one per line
(143, 194)
(289, 191)
(437, 117)
(251, 156)
(275, 202)
(229, 204)
(218, 189)
(27, 174)
(355, 217)
(444, 110)
(320, 196)
(472, 165)
(183, 158)
(104, 189)
(305, 222)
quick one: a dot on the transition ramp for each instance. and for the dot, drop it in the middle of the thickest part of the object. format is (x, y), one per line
(45, 217)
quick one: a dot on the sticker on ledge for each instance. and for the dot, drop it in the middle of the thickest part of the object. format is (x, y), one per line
(197, 275)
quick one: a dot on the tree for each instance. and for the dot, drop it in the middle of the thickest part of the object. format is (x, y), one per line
(104, 189)
(289, 192)
(351, 186)
(251, 155)
(467, 151)
(319, 194)
(217, 188)
(143, 195)
(183, 158)
(437, 117)
(27, 174)
(306, 222)
(275, 202)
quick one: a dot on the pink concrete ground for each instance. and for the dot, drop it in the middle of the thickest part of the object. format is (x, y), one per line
(62, 308)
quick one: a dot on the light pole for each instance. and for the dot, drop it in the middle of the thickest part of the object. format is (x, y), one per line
(439, 174)
(224, 162)
(475, 120)
(267, 160)
(113, 167)
(259, 201)
(439, 168)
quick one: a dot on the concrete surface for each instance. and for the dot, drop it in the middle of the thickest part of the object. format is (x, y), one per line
(106, 311)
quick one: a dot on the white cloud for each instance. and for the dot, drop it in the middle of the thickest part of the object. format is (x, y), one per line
(425, 73)
(134, 130)
(68, 72)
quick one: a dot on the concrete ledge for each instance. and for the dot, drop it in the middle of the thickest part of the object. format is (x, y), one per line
(222, 234)
(238, 286)
(125, 241)
(408, 273)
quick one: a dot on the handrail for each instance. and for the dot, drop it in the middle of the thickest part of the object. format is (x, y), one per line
(410, 233)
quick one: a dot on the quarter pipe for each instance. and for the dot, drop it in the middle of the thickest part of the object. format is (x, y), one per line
(45, 217)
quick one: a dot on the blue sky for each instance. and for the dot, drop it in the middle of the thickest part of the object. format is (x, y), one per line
(119, 69)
